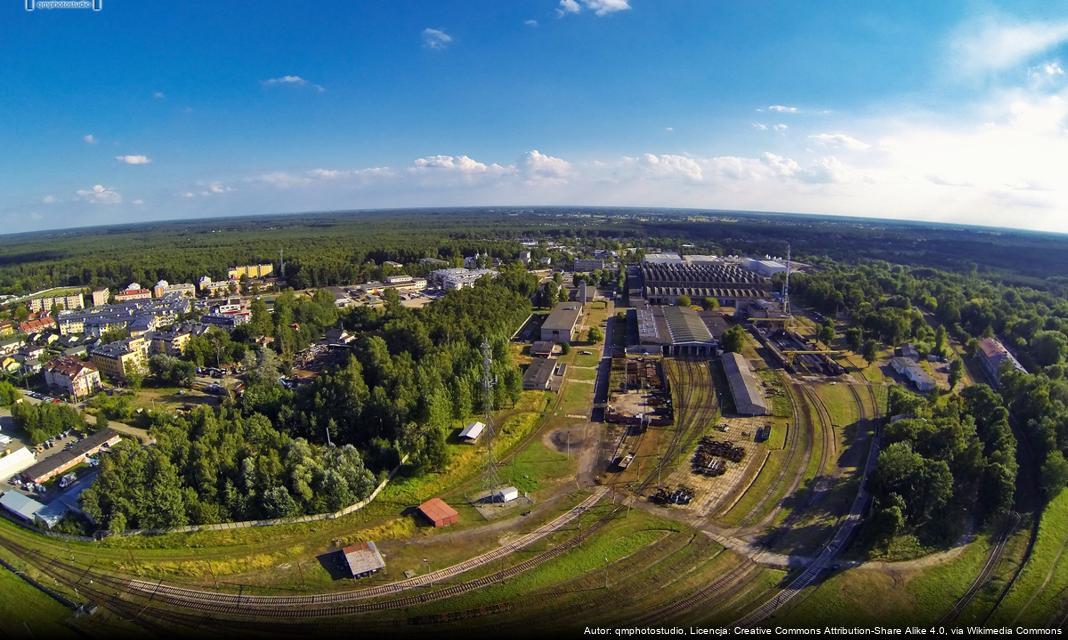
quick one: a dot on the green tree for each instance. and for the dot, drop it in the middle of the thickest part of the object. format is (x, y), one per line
(826, 334)
(594, 335)
(733, 339)
(1054, 474)
(870, 351)
(709, 303)
(683, 301)
(956, 372)
(1049, 347)
(855, 339)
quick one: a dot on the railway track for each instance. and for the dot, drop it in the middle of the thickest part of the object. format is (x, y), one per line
(681, 378)
(792, 445)
(119, 593)
(827, 554)
(984, 576)
(735, 576)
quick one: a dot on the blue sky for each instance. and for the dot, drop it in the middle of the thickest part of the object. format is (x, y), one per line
(950, 111)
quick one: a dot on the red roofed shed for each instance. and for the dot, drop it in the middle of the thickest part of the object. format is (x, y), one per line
(440, 514)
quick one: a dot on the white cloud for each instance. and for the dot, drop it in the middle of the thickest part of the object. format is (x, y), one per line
(780, 108)
(669, 129)
(49, 199)
(138, 202)
(292, 81)
(568, 6)
(780, 127)
(531, 23)
(760, 126)
(600, 8)
(996, 43)
(606, 7)
(461, 165)
(436, 39)
(134, 159)
(159, 95)
(89, 139)
(839, 140)
(671, 165)
(99, 194)
(536, 166)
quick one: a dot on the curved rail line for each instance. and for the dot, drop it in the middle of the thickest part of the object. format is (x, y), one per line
(827, 554)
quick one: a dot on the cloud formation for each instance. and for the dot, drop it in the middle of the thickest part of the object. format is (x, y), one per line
(134, 159)
(292, 81)
(99, 194)
(436, 39)
(600, 8)
(995, 43)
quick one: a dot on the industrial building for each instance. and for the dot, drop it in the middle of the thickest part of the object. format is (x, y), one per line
(22, 507)
(458, 278)
(664, 283)
(16, 462)
(586, 265)
(559, 327)
(542, 348)
(362, 559)
(992, 354)
(676, 331)
(745, 388)
(539, 374)
(63, 461)
(913, 372)
(663, 258)
(438, 513)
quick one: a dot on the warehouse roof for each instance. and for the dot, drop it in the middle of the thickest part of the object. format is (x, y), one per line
(83, 447)
(363, 558)
(563, 317)
(22, 506)
(538, 373)
(437, 511)
(685, 325)
(744, 386)
(15, 462)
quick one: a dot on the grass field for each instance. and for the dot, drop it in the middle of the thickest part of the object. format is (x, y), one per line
(1039, 595)
(26, 612)
(871, 596)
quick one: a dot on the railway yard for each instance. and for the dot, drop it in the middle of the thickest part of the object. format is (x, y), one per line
(674, 509)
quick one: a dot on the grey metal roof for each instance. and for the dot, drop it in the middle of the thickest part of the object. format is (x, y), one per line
(744, 386)
(22, 506)
(685, 325)
(563, 317)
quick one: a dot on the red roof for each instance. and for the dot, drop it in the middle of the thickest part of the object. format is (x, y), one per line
(438, 512)
(69, 367)
(31, 326)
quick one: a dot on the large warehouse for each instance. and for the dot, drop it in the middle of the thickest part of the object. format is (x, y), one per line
(745, 388)
(727, 282)
(678, 331)
(559, 327)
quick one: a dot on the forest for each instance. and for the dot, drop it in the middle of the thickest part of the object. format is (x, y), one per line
(412, 376)
(888, 304)
(344, 247)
